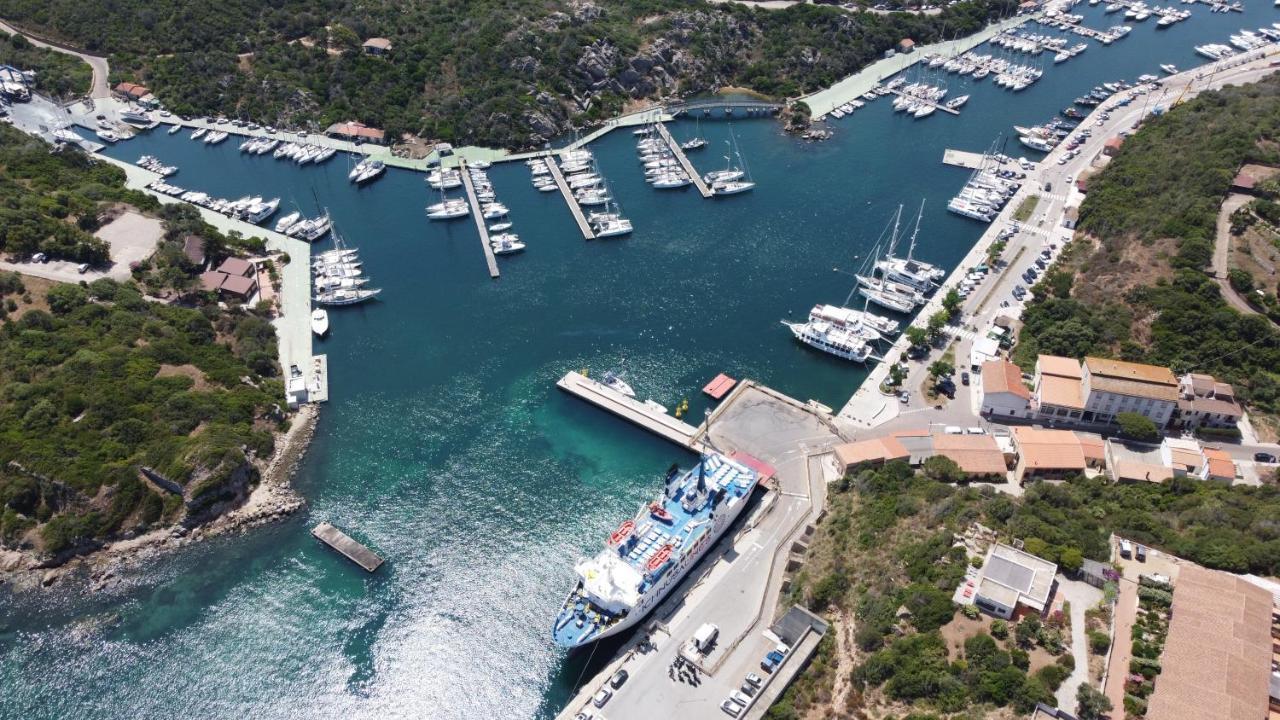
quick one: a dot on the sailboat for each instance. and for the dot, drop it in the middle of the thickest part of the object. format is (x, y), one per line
(908, 271)
(887, 293)
(697, 142)
(731, 180)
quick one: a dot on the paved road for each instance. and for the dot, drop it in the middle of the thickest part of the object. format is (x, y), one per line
(101, 72)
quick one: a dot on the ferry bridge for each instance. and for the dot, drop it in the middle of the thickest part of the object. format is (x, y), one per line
(730, 107)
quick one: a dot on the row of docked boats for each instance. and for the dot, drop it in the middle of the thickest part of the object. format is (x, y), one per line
(662, 169)
(900, 284)
(250, 209)
(338, 278)
(847, 108)
(209, 137)
(152, 163)
(366, 170)
(296, 225)
(987, 190)
(589, 189)
(921, 99)
(301, 153)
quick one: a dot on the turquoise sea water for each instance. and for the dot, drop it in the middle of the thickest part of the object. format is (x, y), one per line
(446, 446)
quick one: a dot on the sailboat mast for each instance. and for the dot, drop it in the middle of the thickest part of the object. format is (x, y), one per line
(911, 250)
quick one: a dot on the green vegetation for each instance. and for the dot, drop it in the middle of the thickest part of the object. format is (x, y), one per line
(1164, 189)
(1136, 426)
(57, 74)
(886, 544)
(51, 202)
(502, 73)
(1026, 207)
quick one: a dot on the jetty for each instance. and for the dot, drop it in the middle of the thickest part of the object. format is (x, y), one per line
(554, 166)
(340, 541)
(962, 159)
(684, 161)
(926, 101)
(478, 216)
(650, 417)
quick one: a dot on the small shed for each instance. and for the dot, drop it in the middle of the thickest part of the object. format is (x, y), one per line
(1112, 146)
(377, 46)
(906, 45)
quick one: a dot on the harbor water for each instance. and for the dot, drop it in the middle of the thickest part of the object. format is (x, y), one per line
(445, 446)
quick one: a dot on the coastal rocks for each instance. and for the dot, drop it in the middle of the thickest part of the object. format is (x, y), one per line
(586, 11)
(597, 61)
(542, 125)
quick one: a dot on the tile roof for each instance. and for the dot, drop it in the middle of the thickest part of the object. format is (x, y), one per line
(1216, 662)
(881, 449)
(1061, 391)
(237, 285)
(1140, 471)
(1134, 388)
(1042, 449)
(1092, 446)
(1056, 365)
(236, 266)
(1123, 370)
(1000, 376)
(1220, 463)
(975, 454)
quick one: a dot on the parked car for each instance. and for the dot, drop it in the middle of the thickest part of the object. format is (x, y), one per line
(1141, 553)
(754, 679)
(82, 268)
(740, 698)
(904, 397)
(1264, 457)
(618, 679)
(602, 697)
(964, 378)
(732, 708)
(39, 257)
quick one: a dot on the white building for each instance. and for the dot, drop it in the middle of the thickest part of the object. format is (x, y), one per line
(1003, 393)
(1012, 577)
(1111, 387)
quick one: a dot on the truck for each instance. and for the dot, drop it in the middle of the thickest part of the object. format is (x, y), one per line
(1126, 549)
(705, 637)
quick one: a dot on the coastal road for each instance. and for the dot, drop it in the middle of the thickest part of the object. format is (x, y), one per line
(101, 72)
(1222, 252)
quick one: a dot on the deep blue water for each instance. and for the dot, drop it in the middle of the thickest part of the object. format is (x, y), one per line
(446, 446)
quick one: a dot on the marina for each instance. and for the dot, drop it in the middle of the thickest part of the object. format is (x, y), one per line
(444, 437)
(575, 209)
(482, 228)
(683, 159)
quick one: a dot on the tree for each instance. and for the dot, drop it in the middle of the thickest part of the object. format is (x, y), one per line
(1090, 703)
(1027, 631)
(943, 469)
(896, 375)
(951, 303)
(64, 298)
(918, 336)
(940, 369)
(1241, 281)
(1137, 427)
(1071, 559)
(1098, 642)
(999, 629)
(937, 322)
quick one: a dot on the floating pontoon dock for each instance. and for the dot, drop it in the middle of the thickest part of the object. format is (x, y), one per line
(962, 159)
(684, 161)
(340, 541)
(651, 418)
(554, 166)
(481, 226)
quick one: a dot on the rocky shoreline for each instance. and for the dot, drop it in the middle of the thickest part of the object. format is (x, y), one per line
(273, 499)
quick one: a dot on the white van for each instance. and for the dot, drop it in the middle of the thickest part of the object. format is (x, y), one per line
(705, 637)
(954, 430)
(1126, 550)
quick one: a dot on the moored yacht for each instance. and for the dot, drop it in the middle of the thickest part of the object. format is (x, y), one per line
(319, 322)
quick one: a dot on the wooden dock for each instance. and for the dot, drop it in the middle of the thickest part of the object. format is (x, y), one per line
(684, 161)
(340, 541)
(481, 226)
(926, 101)
(650, 418)
(554, 166)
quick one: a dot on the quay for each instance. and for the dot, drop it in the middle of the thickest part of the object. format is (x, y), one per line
(578, 216)
(684, 161)
(962, 159)
(340, 541)
(481, 226)
(650, 418)
(936, 105)
(318, 387)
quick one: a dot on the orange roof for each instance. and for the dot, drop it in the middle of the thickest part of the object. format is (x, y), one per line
(1042, 449)
(975, 454)
(1220, 463)
(906, 42)
(355, 129)
(881, 449)
(1135, 470)
(1123, 370)
(1092, 446)
(1216, 663)
(1003, 376)
(1061, 391)
(1062, 366)
(719, 385)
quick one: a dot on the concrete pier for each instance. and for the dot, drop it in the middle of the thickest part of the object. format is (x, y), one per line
(684, 161)
(574, 208)
(652, 419)
(340, 541)
(481, 226)
(962, 159)
(318, 384)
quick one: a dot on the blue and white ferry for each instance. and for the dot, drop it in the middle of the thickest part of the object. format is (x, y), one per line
(650, 553)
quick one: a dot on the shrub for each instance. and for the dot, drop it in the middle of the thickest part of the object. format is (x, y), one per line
(999, 629)
(1099, 642)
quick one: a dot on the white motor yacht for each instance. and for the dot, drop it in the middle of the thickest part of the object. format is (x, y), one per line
(320, 322)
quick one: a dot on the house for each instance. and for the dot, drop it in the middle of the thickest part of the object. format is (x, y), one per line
(1013, 579)
(1172, 458)
(235, 277)
(1205, 402)
(1247, 179)
(875, 450)
(1111, 387)
(1058, 388)
(1045, 454)
(1003, 392)
(905, 45)
(237, 267)
(241, 288)
(377, 46)
(356, 132)
(1217, 657)
(193, 250)
(1045, 712)
(1112, 146)
(131, 91)
(979, 456)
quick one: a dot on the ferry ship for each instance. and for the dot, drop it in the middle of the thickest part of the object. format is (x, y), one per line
(651, 553)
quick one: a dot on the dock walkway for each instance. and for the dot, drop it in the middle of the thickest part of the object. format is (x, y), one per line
(962, 159)
(481, 226)
(684, 161)
(653, 419)
(340, 541)
(554, 166)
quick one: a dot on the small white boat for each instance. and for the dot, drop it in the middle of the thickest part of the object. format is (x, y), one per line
(107, 136)
(612, 381)
(1171, 69)
(175, 129)
(320, 322)
(198, 133)
(499, 227)
(732, 187)
(288, 221)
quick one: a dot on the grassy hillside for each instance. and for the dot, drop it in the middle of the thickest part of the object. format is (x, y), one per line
(57, 74)
(1136, 283)
(499, 72)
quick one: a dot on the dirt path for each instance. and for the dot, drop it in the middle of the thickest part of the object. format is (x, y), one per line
(98, 89)
(1222, 252)
(1121, 645)
(846, 651)
(1082, 596)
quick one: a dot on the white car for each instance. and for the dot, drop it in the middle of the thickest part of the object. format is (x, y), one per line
(601, 697)
(732, 708)
(738, 697)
